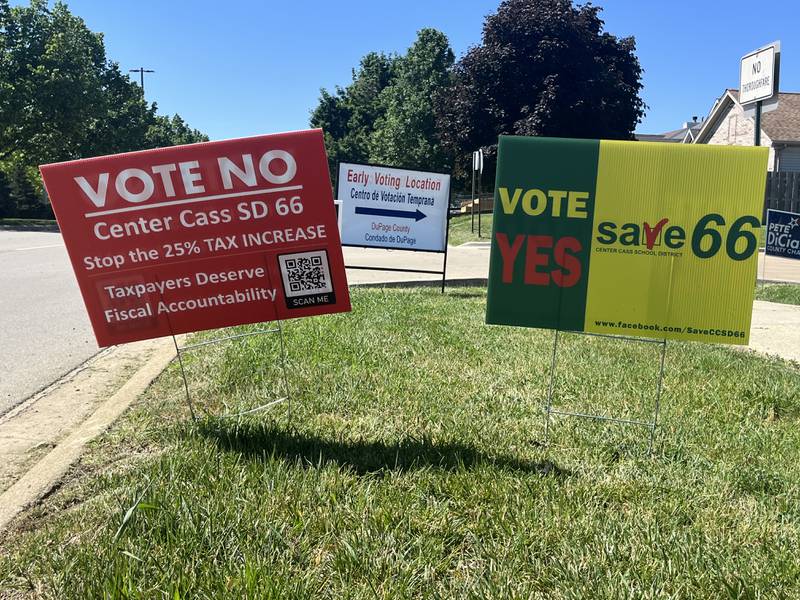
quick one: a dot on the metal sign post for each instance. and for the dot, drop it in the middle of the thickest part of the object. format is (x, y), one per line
(757, 140)
(278, 328)
(480, 207)
(759, 75)
(180, 350)
(477, 167)
(651, 424)
(472, 197)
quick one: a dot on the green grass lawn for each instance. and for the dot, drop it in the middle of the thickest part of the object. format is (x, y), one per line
(412, 466)
(461, 229)
(784, 293)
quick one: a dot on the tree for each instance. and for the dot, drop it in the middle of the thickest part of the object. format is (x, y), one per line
(166, 131)
(406, 133)
(332, 115)
(386, 114)
(27, 191)
(62, 99)
(349, 115)
(8, 206)
(545, 67)
(51, 70)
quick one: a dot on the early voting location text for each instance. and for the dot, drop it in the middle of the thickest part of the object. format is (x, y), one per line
(388, 207)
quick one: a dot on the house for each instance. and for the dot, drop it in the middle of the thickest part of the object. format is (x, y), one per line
(727, 124)
(684, 135)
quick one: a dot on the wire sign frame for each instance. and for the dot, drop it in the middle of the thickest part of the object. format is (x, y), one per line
(286, 397)
(651, 424)
(272, 326)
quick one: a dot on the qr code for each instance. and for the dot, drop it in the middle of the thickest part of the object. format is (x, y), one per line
(305, 273)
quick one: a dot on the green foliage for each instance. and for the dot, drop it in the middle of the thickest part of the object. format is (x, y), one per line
(26, 195)
(8, 206)
(544, 68)
(349, 115)
(166, 131)
(406, 133)
(413, 468)
(386, 115)
(62, 99)
(464, 229)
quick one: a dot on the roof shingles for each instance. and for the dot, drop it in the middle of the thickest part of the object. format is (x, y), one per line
(783, 123)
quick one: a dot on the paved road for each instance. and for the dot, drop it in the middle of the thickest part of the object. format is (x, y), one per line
(778, 269)
(44, 330)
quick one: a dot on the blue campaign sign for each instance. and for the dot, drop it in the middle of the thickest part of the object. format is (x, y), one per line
(783, 234)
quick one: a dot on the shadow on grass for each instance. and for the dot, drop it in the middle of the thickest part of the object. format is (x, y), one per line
(258, 441)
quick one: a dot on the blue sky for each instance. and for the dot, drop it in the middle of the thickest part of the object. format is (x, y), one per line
(241, 68)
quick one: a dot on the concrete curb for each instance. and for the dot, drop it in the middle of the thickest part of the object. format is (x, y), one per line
(776, 281)
(45, 475)
(48, 228)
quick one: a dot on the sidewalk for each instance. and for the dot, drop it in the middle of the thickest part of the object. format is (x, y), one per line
(775, 330)
(463, 262)
(778, 270)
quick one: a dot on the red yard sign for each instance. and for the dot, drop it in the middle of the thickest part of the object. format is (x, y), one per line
(201, 236)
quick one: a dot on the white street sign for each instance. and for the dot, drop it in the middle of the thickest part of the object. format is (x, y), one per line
(386, 207)
(477, 160)
(758, 75)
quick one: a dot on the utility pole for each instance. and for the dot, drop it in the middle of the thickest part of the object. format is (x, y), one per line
(141, 71)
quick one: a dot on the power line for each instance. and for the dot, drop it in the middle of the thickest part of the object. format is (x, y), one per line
(141, 71)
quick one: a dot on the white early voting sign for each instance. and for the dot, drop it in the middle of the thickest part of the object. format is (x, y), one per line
(386, 207)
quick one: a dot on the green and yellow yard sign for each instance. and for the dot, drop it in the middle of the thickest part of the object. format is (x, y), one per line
(626, 238)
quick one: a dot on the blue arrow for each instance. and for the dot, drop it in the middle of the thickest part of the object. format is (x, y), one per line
(417, 215)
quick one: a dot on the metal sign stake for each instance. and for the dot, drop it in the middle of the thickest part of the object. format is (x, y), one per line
(180, 350)
(278, 328)
(183, 375)
(652, 424)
